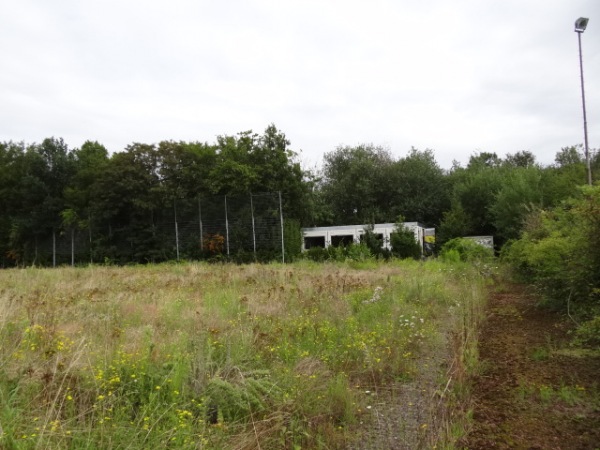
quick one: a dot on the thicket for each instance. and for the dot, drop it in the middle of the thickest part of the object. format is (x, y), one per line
(559, 252)
(467, 250)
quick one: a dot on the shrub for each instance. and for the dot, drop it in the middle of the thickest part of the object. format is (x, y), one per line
(292, 240)
(467, 250)
(317, 254)
(451, 255)
(404, 244)
(358, 252)
(372, 241)
(559, 252)
(588, 333)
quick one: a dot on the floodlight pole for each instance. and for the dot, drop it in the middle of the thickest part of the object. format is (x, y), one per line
(580, 26)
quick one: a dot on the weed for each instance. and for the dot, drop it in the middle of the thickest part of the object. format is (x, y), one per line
(540, 354)
(199, 356)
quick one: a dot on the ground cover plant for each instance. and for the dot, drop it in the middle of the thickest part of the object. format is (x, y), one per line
(535, 388)
(224, 356)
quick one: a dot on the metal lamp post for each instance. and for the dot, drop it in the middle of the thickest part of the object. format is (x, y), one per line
(580, 26)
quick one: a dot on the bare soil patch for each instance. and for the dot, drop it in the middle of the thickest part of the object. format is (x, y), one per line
(535, 391)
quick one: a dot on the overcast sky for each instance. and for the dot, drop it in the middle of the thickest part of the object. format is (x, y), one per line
(457, 77)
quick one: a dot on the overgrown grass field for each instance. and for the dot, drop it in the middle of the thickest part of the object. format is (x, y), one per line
(205, 356)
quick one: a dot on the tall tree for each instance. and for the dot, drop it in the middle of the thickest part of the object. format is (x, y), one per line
(419, 187)
(12, 171)
(184, 168)
(125, 199)
(46, 170)
(353, 183)
(520, 192)
(523, 158)
(278, 170)
(474, 190)
(233, 173)
(89, 163)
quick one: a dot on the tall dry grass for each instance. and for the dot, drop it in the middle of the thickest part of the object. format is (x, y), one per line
(224, 356)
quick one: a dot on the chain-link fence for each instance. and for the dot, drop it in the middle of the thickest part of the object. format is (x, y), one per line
(240, 228)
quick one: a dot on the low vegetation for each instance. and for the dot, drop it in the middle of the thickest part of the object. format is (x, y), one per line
(222, 356)
(559, 253)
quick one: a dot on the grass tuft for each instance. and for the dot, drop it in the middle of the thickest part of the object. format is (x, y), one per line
(222, 356)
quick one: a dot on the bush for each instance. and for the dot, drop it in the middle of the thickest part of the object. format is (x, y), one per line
(588, 333)
(350, 252)
(450, 256)
(404, 244)
(358, 252)
(559, 252)
(373, 243)
(317, 254)
(466, 249)
(292, 240)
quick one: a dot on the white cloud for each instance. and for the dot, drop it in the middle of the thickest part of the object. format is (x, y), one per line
(452, 76)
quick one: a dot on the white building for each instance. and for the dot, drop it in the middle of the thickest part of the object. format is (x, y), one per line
(346, 234)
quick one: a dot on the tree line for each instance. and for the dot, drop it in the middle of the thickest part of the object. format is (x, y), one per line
(48, 186)
(490, 195)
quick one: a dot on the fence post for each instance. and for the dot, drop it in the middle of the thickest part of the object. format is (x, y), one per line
(200, 222)
(253, 228)
(176, 228)
(72, 247)
(90, 235)
(53, 248)
(226, 226)
(281, 220)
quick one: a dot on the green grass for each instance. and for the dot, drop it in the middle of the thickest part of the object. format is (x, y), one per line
(564, 395)
(217, 356)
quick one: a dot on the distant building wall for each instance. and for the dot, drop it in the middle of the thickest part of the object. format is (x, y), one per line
(344, 234)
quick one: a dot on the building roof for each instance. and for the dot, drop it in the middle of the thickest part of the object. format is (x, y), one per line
(359, 227)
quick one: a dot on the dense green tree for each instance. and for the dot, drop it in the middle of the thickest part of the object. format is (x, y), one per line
(569, 156)
(419, 188)
(476, 194)
(278, 170)
(318, 210)
(523, 158)
(44, 172)
(127, 202)
(520, 192)
(233, 173)
(560, 181)
(184, 168)
(12, 171)
(54, 173)
(89, 163)
(474, 191)
(595, 164)
(250, 162)
(354, 179)
(125, 199)
(484, 160)
(492, 196)
(455, 223)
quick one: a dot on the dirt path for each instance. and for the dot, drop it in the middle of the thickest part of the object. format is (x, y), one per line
(535, 392)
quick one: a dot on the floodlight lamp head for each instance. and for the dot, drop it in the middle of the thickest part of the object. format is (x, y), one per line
(581, 24)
